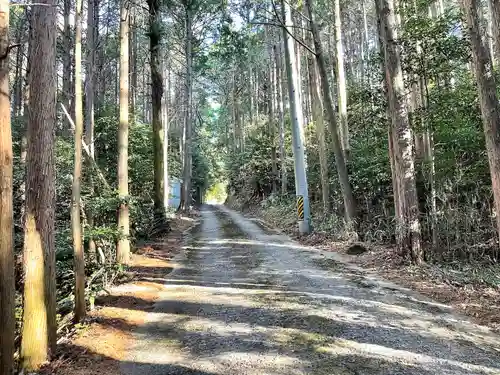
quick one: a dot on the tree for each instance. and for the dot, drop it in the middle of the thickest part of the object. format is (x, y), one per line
(488, 98)
(188, 121)
(76, 226)
(66, 87)
(7, 281)
(349, 202)
(341, 81)
(123, 247)
(280, 99)
(494, 6)
(407, 210)
(317, 115)
(90, 77)
(39, 313)
(156, 100)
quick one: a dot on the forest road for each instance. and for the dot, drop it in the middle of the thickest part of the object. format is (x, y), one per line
(244, 301)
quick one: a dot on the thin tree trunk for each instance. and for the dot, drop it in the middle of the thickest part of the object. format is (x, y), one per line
(271, 115)
(280, 98)
(250, 94)
(188, 126)
(133, 60)
(349, 202)
(408, 230)
(317, 116)
(66, 89)
(341, 82)
(18, 79)
(39, 312)
(7, 276)
(123, 247)
(92, 29)
(76, 226)
(495, 30)
(488, 98)
(166, 119)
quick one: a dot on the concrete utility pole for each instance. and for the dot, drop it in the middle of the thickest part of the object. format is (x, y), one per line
(297, 121)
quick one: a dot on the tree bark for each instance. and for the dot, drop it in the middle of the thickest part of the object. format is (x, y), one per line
(317, 116)
(341, 82)
(7, 276)
(92, 30)
(17, 104)
(133, 60)
(495, 30)
(156, 100)
(280, 98)
(349, 202)
(39, 313)
(408, 233)
(166, 118)
(188, 126)
(66, 89)
(488, 98)
(251, 93)
(123, 246)
(271, 125)
(76, 225)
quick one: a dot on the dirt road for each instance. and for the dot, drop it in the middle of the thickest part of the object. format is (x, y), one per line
(244, 301)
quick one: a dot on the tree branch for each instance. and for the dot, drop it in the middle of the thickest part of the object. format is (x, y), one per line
(288, 31)
(9, 48)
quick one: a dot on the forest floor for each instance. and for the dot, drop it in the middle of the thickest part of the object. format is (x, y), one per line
(104, 341)
(470, 288)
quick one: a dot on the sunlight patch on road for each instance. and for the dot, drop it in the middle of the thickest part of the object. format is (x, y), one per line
(397, 356)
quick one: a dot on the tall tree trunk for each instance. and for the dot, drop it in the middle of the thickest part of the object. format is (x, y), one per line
(123, 247)
(317, 116)
(92, 29)
(390, 132)
(7, 277)
(18, 78)
(188, 126)
(133, 59)
(24, 139)
(349, 202)
(166, 118)
(488, 98)
(495, 30)
(366, 43)
(271, 125)
(39, 313)
(66, 89)
(156, 100)
(408, 229)
(76, 225)
(341, 82)
(250, 93)
(280, 98)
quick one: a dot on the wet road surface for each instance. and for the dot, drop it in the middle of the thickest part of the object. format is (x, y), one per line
(244, 301)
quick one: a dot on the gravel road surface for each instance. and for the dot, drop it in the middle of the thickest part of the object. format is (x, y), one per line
(247, 301)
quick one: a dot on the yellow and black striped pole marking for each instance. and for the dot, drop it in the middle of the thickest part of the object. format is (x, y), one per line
(300, 207)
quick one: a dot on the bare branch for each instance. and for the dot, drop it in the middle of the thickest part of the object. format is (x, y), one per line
(30, 4)
(285, 27)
